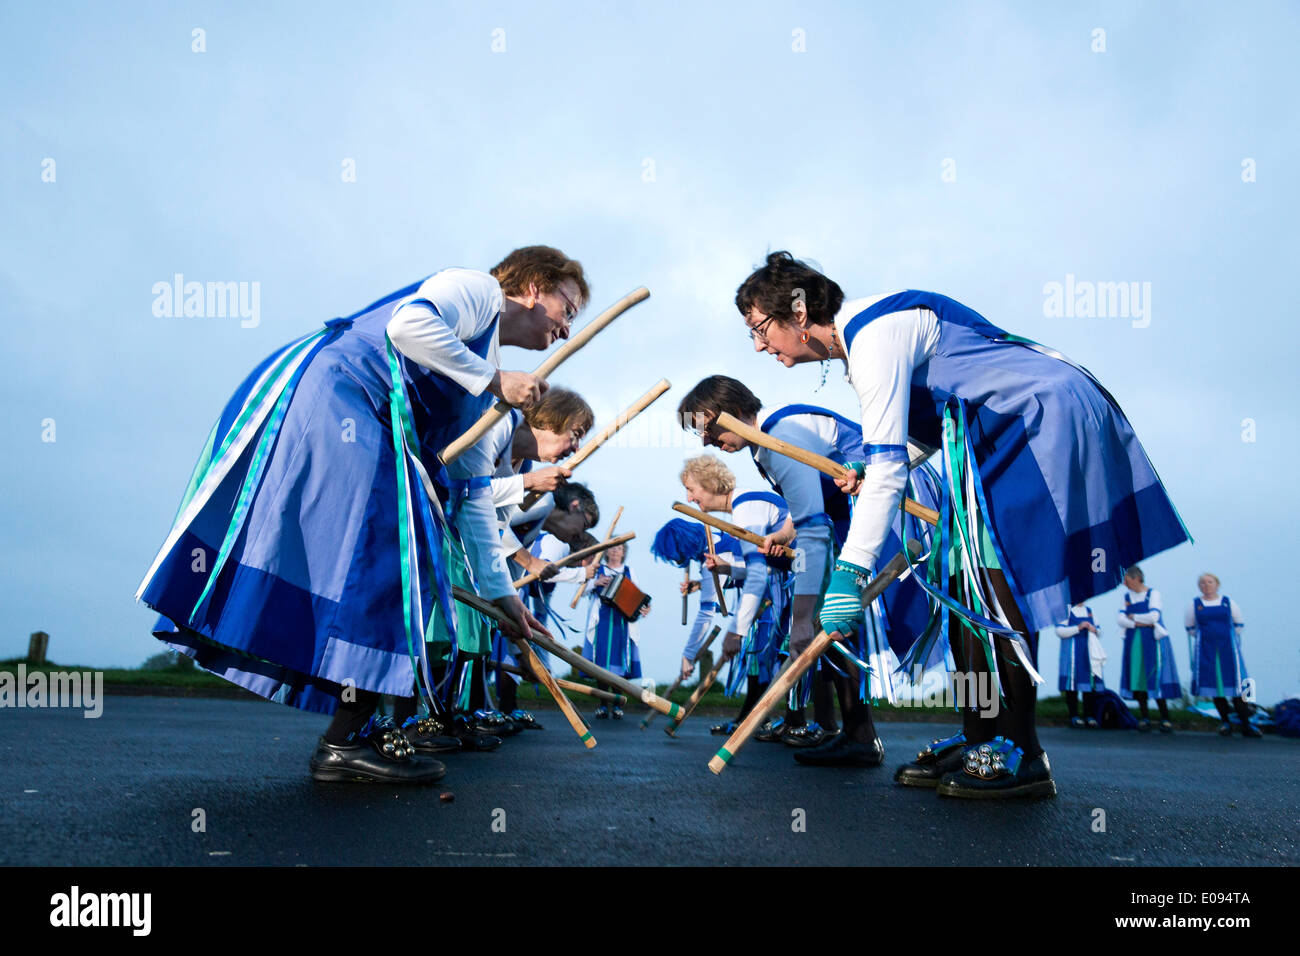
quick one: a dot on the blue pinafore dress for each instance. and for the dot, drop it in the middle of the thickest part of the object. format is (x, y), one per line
(1218, 669)
(1076, 663)
(310, 552)
(1042, 470)
(905, 613)
(609, 642)
(760, 649)
(1148, 661)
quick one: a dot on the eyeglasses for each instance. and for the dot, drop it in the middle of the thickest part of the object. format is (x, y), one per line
(700, 431)
(759, 331)
(571, 310)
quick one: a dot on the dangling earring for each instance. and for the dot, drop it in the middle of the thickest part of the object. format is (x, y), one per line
(803, 337)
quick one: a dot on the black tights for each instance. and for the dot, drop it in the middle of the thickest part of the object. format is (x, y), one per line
(351, 716)
(753, 692)
(1015, 711)
(1239, 705)
(477, 681)
(823, 702)
(1072, 703)
(507, 694)
(858, 722)
(1141, 697)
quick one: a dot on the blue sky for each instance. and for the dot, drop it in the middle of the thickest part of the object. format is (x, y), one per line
(669, 145)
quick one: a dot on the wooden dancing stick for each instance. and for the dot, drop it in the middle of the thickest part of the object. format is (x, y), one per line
(717, 579)
(511, 630)
(707, 681)
(756, 436)
(678, 683)
(575, 687)
(609, 534)
(694, 701)
(494, 414)
(568, 685)
(577, 557)
(605, 434)
(623, 685)
(735, 530)
(686, 593)
(797, 667)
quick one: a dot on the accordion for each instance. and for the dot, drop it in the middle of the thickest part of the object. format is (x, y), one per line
(625, 597)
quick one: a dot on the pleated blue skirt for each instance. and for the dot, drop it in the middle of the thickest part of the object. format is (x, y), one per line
(308, 597)
(1065, 488)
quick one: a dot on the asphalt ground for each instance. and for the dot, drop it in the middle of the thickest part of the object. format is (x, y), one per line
(123, 790)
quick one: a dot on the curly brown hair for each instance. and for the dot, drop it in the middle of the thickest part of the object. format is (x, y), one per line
(542, 266)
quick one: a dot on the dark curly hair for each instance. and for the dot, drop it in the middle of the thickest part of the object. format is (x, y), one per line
(773, 287)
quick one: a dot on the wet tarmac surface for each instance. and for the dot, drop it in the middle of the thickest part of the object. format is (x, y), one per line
(125, 790)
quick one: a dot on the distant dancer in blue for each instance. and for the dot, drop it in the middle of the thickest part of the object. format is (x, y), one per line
(611, 637)
(1148, 657)
(1218, 670)
(311, 556)
(1082, 659)
(760, 621)
(1041, 470)
(820, 514)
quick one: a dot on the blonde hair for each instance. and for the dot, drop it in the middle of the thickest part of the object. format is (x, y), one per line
(1210, 574)
(709, 473)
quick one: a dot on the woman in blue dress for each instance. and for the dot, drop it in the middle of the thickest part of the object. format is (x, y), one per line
(1147, 665)
(1042, 474)
(1214, 626)
(310, 557)
(1080, 665)
(760, 621)
(821, 515)
(611, 638)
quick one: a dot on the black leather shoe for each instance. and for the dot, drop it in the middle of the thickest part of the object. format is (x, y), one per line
(723, 730)
(428, 735)
(810, 735)
(938, 758)
(493, 724)
(997, 771)
(524, 720)
(1250, 730)
(382, 756)
(840, 751)
(770, 732)
(1225, 729)
(471, 739)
